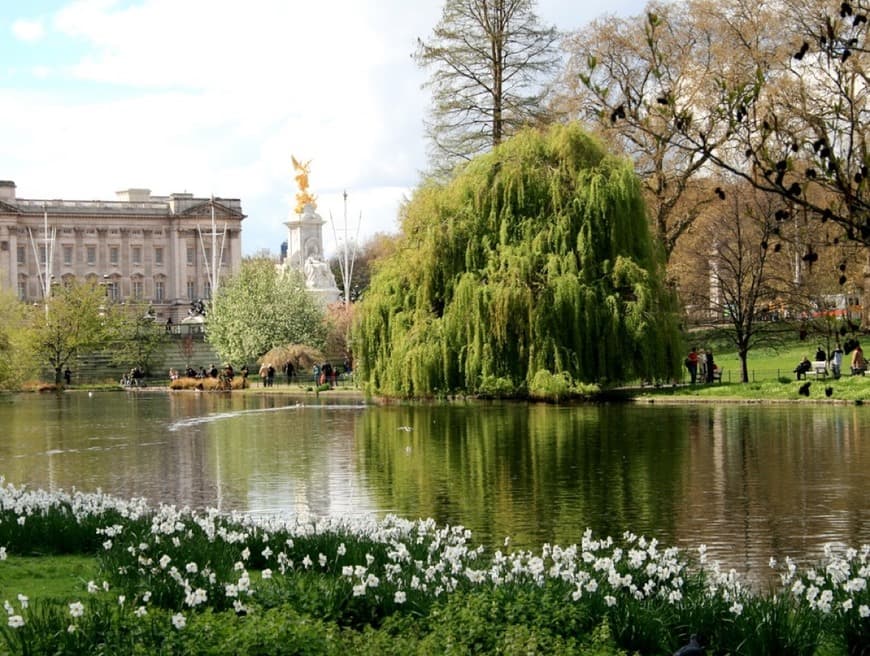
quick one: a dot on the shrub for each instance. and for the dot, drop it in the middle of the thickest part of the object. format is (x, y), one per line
(550, 387)
(495, 387)
(205, 384)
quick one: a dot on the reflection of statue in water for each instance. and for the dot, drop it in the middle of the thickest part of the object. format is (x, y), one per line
(304, 197)
(317, 274)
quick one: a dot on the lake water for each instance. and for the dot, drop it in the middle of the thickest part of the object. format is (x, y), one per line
(750, 482)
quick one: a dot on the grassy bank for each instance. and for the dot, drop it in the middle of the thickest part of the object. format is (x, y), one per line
(852, 390)
(129, 579)
(771, 377)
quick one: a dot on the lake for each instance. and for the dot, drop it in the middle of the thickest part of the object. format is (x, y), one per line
(749, 481)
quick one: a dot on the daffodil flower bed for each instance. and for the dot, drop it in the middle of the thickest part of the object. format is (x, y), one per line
(186, 581)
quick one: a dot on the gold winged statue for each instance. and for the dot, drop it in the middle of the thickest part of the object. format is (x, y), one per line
(304, 197)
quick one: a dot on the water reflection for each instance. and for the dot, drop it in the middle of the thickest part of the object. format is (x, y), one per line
(751, 482)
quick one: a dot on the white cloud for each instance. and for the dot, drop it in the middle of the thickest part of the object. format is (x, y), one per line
(213, 96)
(28, 30)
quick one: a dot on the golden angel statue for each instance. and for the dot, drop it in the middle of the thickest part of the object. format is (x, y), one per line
(304, 197)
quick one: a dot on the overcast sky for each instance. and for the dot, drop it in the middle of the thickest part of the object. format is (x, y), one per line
(214, 96)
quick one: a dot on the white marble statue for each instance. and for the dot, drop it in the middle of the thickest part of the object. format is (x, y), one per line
(317, 274)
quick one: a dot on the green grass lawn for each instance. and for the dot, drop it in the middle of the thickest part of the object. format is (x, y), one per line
(771, 376)
(47, 577)
(768, 364)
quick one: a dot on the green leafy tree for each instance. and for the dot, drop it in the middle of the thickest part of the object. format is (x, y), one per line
(12, 313)
(536, 257)
(487, 58)
(261, 308)
(139, 339)
(74, 320)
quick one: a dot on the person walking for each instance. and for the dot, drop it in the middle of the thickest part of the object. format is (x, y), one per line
(859, 364)
(692, 365)
(264, 374)
(708, 357)
(836, 361)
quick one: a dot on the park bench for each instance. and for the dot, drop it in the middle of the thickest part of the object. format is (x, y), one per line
(819, 369)
(717, 375)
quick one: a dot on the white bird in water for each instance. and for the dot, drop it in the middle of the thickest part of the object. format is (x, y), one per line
(407, 429)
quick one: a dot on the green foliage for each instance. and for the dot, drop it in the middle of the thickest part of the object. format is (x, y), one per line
(53, 529)
(536, 257)
(511, 620)
(73, 321)
(259, 309)
(549, 387)
(334, 589)
(12, 356)
(138, 338)
(493, 387)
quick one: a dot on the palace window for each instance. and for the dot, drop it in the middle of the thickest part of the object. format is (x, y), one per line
(158, 255)
(138, 290)
(159, 290)
(22, 255)
(67, 255)
(191, 252)
(114, 255)
(91, 253)
(136, 255)
(191, 290)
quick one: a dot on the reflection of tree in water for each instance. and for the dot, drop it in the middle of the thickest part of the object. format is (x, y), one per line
(534, 473)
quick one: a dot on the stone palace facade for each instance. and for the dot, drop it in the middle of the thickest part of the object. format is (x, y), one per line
(158, 249)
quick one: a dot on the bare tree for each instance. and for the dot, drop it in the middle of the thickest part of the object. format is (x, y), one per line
(488, 60)
(790, 119)
(627, 76)
(739, 277)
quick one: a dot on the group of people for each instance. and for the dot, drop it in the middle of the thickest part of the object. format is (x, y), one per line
(834, 359)
(323, 373)
(701, 366)
(134, 378)
(267, 374)
(225, 373)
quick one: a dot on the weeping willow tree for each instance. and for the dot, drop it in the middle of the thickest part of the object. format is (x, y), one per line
(537, 256)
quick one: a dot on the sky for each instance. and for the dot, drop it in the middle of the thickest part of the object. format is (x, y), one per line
(213, 97)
